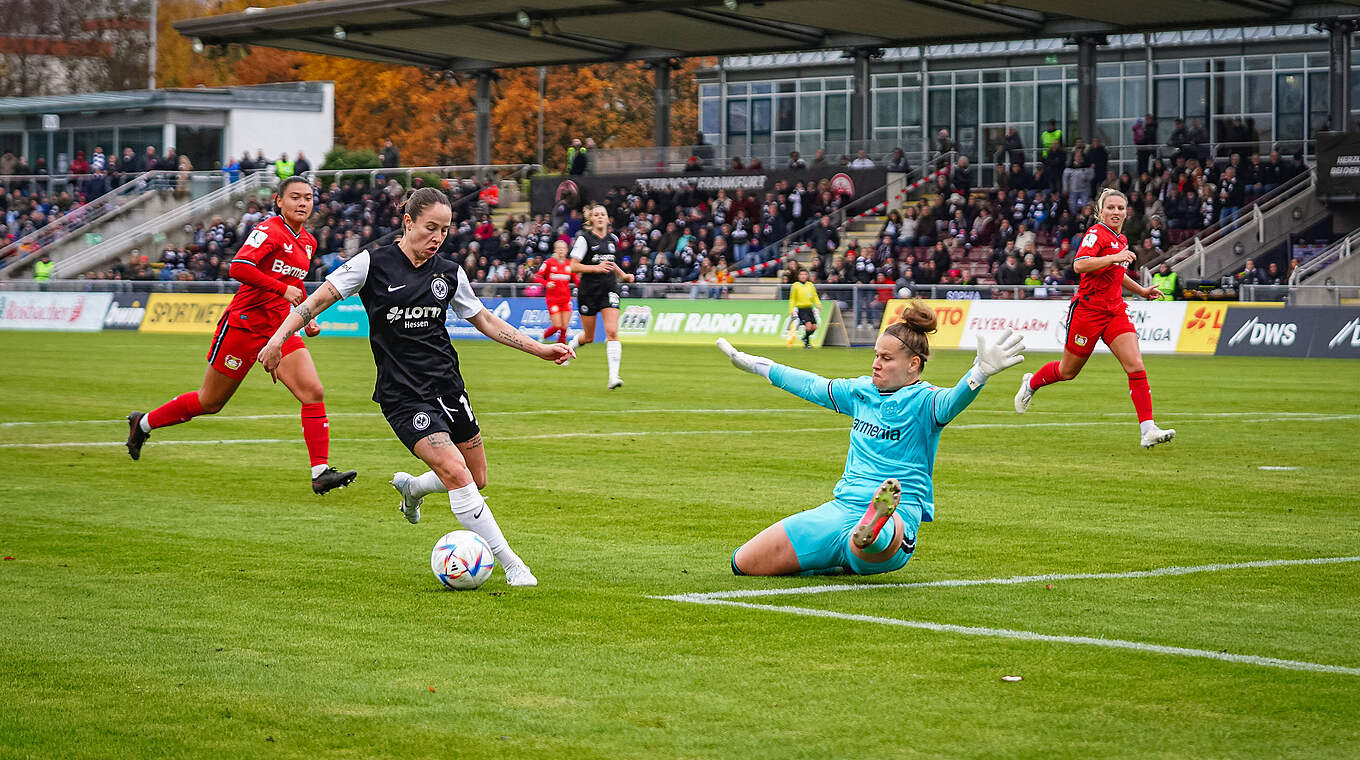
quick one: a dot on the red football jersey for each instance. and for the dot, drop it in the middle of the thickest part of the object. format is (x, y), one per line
(556, 277)
(1103, 288)
(279, 254)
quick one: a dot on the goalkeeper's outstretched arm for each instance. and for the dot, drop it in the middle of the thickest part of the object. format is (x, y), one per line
(805, 385)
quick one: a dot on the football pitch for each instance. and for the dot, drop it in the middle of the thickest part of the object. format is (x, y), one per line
(1201, 599)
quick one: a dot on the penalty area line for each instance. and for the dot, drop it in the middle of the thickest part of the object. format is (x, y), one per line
(1007, 633)
(1010, 581)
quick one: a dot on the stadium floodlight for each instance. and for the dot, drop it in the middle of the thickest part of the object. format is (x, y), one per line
(339, 32)
(731, 5)
(523, 19)
(198, 46)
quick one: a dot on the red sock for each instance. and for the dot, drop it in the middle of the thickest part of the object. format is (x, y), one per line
(316, 431)
(561, 335)
(549, 332)
(1141, 395)
(1047, 375)
(181, 408)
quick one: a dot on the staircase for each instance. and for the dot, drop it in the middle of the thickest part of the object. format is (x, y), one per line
(1223, 249)
(163, 227)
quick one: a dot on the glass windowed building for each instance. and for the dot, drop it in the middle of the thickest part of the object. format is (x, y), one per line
(1265, 87)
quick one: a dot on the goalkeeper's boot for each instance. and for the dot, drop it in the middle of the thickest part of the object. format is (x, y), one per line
(136, 436)
(615, 382)
(519, 575)
(331, 479)
(880, 511)
(1025, 394)
(410, 505)
(1155, 435)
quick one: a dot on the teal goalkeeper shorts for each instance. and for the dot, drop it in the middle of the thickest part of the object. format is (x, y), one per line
(821, 538)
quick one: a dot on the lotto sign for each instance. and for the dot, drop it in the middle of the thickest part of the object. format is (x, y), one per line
(195, 313)
(83, 312)
(949, 315)
(1199, 332)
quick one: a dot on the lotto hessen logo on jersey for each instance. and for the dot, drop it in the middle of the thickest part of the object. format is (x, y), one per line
(411, 317)
(284, 268)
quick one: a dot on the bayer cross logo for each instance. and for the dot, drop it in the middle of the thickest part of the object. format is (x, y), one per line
(440, 287)
(420, 421)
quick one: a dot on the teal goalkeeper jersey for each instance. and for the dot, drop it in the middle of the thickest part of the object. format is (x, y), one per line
(894, 435)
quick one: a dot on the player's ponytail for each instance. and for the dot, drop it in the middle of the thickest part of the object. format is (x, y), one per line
(912, 328)
(419, 200)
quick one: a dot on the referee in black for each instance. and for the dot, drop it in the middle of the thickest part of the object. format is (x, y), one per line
(406, 289)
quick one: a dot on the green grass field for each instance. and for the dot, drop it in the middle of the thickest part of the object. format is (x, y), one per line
(202, 603)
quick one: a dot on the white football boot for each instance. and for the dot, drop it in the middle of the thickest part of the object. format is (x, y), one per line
(1156, 435)
(615, 382)
(410, 505)
(519, 575)
(1024, 395)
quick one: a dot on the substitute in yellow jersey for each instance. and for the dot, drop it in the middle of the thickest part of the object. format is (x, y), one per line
(803, 304)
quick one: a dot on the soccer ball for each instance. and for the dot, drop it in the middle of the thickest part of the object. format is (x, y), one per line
(462, 560)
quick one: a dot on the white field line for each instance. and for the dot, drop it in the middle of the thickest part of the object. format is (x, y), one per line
(724, 598)
(1273, 416)
(634, 433)
(543, 436)
(1006, 633)
(1011, 581)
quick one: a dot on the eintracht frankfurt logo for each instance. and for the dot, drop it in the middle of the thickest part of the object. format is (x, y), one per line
(420, 421)
(440, 288)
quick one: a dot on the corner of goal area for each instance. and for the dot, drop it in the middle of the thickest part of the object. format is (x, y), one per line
(737, 598)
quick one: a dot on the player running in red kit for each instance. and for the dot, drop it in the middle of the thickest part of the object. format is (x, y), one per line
(556, 277)
(270, 266)
(1098, 312)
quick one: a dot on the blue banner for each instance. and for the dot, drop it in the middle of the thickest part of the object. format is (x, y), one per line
(346, 319)
(528, 315)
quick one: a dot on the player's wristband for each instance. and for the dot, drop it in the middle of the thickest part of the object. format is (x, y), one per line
(976, 377)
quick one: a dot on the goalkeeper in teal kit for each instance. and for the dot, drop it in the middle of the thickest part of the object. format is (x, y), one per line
(885, 493)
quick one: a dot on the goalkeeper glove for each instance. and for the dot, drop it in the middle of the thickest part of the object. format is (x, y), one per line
(995, 356)
(756, 365)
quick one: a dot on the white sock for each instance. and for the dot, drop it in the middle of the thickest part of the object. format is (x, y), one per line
(145, 423)
(474, 514)
(317, 469)
(575, 342)
(1146, 425)
(613, 350)
(428, 483)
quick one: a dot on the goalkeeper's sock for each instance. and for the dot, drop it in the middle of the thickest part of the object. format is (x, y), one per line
(1047, 375)
(427, 484)
(1141, 394)
(575, 343)
(474, 514)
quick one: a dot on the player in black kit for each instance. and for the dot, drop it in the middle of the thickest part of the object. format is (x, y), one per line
(406, 289)
(593, 257)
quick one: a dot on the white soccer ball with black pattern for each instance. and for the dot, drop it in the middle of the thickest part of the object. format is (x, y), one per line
(462, 560)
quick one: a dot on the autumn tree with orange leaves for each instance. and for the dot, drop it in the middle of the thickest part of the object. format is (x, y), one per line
(430, 115)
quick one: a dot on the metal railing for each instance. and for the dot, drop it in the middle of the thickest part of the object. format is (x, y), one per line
(1295, 295)
(1337, 251)
(97, 254)
(461, 171)
(840, 217)
(1251, 214)
(72, 222)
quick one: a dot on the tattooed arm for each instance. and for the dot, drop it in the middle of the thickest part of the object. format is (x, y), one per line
(301, 316)
(500, 331)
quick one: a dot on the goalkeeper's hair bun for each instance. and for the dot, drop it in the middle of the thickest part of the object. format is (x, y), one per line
(912, 327)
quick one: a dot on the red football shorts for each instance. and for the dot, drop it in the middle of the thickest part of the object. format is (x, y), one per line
(234, 349)
(558, 305)
(1085, 326)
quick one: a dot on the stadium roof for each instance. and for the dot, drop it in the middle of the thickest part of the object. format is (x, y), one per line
(477, 35)
(287, 96)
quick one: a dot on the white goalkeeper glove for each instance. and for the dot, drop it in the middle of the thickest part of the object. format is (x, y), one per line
(993, 357)
(756, 365)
